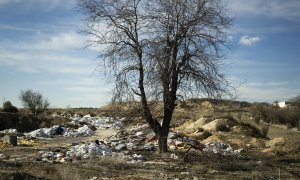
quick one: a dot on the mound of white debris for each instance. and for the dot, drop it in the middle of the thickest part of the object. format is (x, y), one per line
(58, 130)
(87, 150)
(220, 148)
(83, 122)
(9, 131)
(98, 122)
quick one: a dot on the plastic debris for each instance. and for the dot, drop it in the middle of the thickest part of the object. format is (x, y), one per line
(220, 148)
(9, 131)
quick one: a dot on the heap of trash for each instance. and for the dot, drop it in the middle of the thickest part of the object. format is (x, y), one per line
(59, 130)
(216, 147)
(98, 122)
(84, 151)
(84, 123)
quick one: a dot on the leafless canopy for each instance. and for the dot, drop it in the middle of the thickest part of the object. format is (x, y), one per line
(160, 49)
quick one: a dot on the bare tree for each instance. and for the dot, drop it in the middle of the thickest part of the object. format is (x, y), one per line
(160, 50)
(34, 101)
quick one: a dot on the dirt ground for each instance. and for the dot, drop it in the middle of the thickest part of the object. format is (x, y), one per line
(252, 163)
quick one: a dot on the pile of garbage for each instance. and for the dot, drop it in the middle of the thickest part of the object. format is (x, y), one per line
(57, 130)
(98, 122)
(9, 131)
(84, 123)
(221, 148)
(84, 151)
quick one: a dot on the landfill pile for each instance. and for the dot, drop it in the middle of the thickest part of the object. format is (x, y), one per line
(98, 122)
(84, 151)
(221, 149)
(9, 131)
(84, 123)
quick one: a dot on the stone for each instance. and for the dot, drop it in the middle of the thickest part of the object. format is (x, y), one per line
(11, 139)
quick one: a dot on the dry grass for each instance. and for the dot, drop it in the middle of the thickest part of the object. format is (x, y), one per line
(65, 172)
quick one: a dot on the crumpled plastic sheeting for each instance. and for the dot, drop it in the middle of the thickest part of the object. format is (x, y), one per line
(47, 132)
(82, 131)
(58, 130)
(88, 150)
(220, 148)
(9, 131)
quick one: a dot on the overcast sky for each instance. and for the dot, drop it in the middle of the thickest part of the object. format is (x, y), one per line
(41, 49)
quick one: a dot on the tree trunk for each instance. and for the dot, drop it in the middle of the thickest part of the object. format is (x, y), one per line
(163, 140)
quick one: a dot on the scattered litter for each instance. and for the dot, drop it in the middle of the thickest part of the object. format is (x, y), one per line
(2, 156)
(174, 156)
(220, 148)
(88, 150)
(98, 122)
(135, 158)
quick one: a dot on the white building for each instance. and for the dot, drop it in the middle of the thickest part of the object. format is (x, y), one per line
(284, 104)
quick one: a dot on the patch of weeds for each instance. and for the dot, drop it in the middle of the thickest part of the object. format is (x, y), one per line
(67, 173)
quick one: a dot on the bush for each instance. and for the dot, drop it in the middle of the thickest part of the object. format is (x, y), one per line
(270, 114)
(8, 107)
(251, 130)
(23, 123)
(264, 131)
(34, 101)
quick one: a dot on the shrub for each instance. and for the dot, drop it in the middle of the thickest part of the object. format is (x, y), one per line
(264, 131)
(251, 130)
(271, 114)
(8, 107)
(34, 101)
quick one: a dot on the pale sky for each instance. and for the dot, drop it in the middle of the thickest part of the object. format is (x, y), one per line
(41, 49)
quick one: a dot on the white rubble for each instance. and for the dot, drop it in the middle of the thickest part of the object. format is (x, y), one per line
(47, 132)
(82, 131)
(88, 150)
(220, 148)
(58, 130)
(9, 131)
(98, 122)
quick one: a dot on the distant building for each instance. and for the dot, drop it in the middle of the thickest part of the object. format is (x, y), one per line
(283, 104)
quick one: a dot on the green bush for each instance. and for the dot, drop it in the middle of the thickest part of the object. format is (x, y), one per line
(8, 107)
(34, 101)
(275, 115)
(264, 131)
(251, 130)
